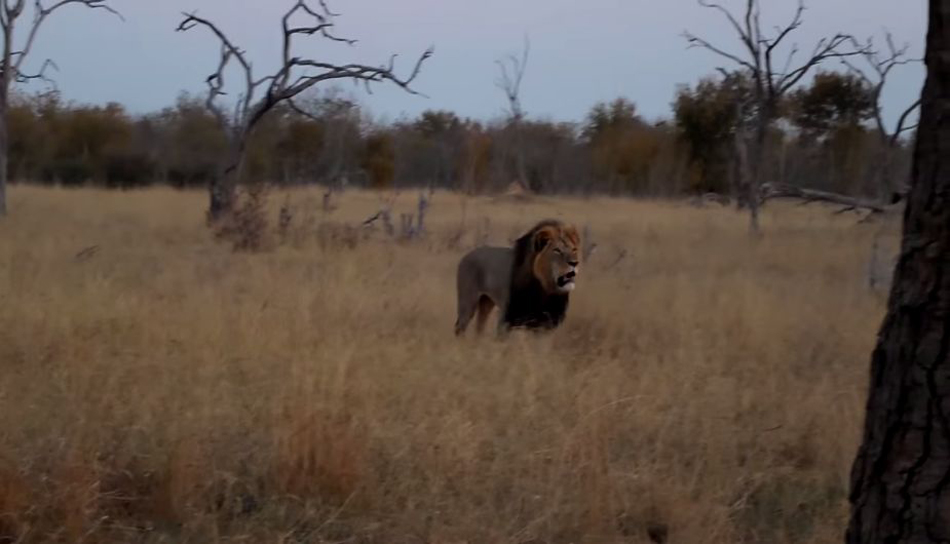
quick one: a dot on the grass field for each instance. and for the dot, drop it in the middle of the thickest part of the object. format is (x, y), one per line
(704, 388)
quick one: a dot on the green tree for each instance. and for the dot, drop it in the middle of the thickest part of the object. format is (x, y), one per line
(833, 100)
(622, 146)
(379, 160)
(707, 118)
(195, 142)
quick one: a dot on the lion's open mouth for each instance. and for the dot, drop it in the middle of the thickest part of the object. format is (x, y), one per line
(566, 282)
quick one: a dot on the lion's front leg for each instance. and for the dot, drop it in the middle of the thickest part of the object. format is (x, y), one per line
(501, 330)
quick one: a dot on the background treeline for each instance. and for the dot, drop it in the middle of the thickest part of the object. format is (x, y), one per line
(823, 140)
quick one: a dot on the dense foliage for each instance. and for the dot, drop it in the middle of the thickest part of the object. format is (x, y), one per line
(822, 140)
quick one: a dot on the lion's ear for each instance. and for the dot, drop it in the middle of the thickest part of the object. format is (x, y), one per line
(572, 235)
(543, 237)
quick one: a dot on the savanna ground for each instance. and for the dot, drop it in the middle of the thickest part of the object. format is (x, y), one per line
(704, 388)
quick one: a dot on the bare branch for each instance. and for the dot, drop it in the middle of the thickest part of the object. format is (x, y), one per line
(771, 45)
(825, 49)
(901, 128)
(790, 59)
(745, 35)
(41, 14)
(510, 82)
(215, 87)
(300, 111)
(791, 27)
(229, 51)
(21, 77)
(857, 71)
(881, 66)
(321, 24)
(192, 20)
(761, 50)
(696, 41)
(11, 13)
(368, 74)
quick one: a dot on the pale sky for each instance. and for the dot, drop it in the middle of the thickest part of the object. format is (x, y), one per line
(581, 52)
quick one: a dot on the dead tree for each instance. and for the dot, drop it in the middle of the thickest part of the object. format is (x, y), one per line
(260, 95)
(14, 57)
(878, 67)
(771, 77)
(511, 73)
(900, 480)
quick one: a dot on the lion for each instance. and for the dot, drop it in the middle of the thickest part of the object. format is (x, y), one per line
(530, 283)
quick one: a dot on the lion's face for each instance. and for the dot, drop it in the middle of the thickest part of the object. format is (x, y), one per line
(557, 258)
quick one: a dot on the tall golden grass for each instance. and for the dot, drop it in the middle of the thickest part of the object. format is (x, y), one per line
(706, 387)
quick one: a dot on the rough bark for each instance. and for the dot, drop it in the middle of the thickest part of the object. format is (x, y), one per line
(4, 160)
(4, 153)
(6, 79)
(757, 163)
(901, 475)
(223, 188)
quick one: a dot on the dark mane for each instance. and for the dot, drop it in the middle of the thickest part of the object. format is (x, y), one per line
(529, 305)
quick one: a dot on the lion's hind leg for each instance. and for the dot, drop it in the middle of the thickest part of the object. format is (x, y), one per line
(466, 311)
(485, 306)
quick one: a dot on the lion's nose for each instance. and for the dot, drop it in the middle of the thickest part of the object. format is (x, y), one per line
(573, 263)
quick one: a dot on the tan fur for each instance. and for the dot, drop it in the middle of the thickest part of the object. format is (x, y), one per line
(487, 277)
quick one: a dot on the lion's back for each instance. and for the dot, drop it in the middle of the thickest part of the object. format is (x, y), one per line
(486, 270)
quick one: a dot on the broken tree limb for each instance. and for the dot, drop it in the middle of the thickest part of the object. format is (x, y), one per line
(779, 190)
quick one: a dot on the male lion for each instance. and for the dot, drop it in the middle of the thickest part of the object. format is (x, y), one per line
(530, 283)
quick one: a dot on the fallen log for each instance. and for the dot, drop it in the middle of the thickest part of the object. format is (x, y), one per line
(776, 190)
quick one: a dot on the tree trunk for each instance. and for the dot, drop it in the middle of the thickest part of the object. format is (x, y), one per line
(6, 79)
(223, 188)
(221, 193)
(4, 154)
(747, 172)
(519, 150)
(901, 476)
(757, 166)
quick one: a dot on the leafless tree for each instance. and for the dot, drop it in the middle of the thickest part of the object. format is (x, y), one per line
(878, 67)
(900, 489)
(511, 73)
(771, 76)
(260, 95)
(14, 58)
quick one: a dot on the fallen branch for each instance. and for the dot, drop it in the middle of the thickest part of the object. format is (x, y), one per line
(774, 190)
(87, 253)
(372, 219)
(700, 201)
(621, 255)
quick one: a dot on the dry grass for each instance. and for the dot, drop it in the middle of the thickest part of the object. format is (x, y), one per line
(165, 389)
